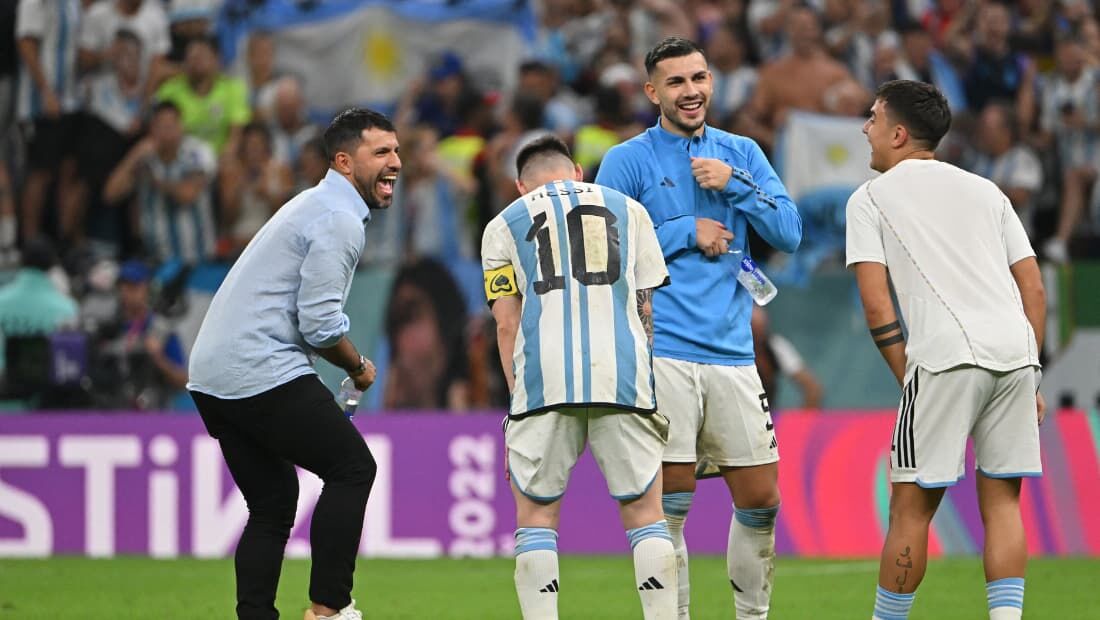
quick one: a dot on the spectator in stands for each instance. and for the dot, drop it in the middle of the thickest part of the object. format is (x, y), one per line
(47, 101)
(995, 70)
(800, 80)
(113, 102)
(253, 185)
(434, 100)
(734, 78)
(1000, 157)
(188, 19)
(289, 126)
(213, 105)
(562, 111)
(1071, 121)
(144, 18)
(923, 62)
(1090, 41)
(259, 75)
(32, 309)
(776, 357)
(425, 327)
(171, 174)
(431, 203)
(311, 166)
(137, 361)
(613, 125)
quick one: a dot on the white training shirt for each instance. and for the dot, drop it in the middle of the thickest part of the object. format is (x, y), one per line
(948, 238)
(577, 253)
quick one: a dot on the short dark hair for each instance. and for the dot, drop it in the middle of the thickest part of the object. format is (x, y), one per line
(919, 107)
(208, 40)
(348, 127)
(125, 34)
(164, 105)
(259, 128)
(672, 47)
(541, 146)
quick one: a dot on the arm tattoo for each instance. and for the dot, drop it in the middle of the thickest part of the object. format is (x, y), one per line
(645, 312)
(887, 335)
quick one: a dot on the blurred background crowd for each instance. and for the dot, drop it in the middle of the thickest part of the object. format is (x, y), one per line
(146, 141)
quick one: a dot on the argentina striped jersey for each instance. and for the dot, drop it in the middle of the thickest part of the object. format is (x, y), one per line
(577, 253)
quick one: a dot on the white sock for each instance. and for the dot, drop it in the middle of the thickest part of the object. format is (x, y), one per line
(654, 570)
(537, 572)
(676, 506)
(750, 560)
(1006, 598)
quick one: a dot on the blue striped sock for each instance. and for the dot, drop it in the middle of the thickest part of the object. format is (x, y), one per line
(677, 504)
(1007, 592)
(653, 530)
(892, 606)
(756, 518)
(536, 538)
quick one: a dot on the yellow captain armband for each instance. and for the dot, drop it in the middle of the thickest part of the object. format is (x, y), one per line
(500, 282)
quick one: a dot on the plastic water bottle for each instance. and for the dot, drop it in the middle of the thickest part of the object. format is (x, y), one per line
(348, 397)
(752, 278)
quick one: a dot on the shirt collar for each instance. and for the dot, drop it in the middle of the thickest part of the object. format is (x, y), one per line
(338, 184)
(667, 138)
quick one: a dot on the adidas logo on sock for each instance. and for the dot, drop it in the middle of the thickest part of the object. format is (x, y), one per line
(651, 584)
(551, 587)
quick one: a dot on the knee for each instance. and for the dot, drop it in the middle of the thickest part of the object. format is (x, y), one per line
(356, 469)
(276, 510)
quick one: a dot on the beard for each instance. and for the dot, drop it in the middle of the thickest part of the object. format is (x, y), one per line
(368, 189)
(672, 113)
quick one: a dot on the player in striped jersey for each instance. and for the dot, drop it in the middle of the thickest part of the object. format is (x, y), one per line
(569, 273)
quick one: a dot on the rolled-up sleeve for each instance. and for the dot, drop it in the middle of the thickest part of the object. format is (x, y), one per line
(334, 243)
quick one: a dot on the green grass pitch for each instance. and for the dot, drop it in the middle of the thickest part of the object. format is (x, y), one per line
(592, 587)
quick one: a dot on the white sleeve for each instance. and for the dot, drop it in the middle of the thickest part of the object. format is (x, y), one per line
(1027, 172)
(93, 33)
(786, 356)
(650, 270)
(497, 261)
(159, 42)
(30, 19)
(864, 230)
(1017, 245)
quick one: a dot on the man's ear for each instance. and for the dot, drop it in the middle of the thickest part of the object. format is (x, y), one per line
(578, 172)
(342, 163)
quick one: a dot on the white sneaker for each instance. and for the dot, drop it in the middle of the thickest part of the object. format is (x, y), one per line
(347, 613)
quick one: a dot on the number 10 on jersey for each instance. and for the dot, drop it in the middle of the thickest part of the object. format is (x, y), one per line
(583, 245)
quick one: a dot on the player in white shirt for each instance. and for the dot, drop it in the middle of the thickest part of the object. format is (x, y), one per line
(570, 269)
(973, 304)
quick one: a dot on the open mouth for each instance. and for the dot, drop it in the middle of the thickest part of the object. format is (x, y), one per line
(385, 185)
(691, 107)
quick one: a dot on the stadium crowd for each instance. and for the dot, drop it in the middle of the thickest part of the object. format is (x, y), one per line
(136, 161)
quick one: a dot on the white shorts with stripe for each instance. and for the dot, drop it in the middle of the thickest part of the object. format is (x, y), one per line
(717, 412)
(544, 447)
(940, 410)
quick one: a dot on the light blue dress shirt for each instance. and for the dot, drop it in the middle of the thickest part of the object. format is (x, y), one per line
(285, 295)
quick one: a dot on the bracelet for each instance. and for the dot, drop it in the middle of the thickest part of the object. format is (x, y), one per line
(360, 369)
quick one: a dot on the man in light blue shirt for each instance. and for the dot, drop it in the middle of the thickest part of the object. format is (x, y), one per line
(703, 188)
(252, 376)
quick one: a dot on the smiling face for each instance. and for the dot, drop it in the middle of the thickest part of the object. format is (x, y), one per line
(681, 86)
(374, 165)
(881, 133)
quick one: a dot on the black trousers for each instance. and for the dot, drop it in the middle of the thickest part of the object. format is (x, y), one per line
(262, 437)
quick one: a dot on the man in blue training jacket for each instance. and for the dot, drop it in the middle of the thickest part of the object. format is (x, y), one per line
(703, 188)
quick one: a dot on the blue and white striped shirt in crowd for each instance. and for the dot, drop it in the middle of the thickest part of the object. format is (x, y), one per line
(184, 232)
(54, 24)
(577, 253)
(285, 295)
